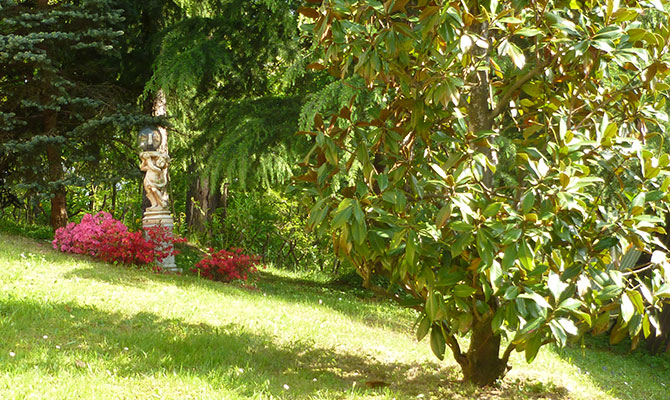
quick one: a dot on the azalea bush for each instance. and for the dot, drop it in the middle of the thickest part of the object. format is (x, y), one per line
(227, 265)
(103, 237)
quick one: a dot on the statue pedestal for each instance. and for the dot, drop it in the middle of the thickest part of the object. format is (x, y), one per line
(163, 218)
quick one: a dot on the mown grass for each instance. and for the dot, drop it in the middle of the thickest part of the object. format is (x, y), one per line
(73, 328)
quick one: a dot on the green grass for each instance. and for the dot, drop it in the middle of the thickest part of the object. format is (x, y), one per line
(71, 328)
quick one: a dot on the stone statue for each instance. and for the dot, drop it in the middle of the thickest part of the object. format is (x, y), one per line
(155, 164)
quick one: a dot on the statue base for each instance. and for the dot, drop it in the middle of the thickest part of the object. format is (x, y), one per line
(161, 218)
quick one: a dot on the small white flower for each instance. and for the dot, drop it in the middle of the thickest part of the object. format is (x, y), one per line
(314, 380)
(57, 347)
(125, 349)
(320, 301)
(286, 386)
(12, 354)
(45, 337)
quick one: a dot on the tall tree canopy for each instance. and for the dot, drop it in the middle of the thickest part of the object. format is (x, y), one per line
(225, 67)
(507, 170)
(61, 110)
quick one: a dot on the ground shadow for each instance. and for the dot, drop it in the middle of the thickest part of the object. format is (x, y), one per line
(146, 344)
(367, 310)
(627, 375)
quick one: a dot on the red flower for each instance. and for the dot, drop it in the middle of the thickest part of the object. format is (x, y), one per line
(227, 266)
(105, 238)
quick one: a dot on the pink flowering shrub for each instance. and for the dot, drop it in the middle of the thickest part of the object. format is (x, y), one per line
(109, 240)
(227, 266)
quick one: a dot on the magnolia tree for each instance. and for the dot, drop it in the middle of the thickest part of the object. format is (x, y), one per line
(508, 171)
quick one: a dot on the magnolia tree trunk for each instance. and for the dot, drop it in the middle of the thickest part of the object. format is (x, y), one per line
(661, 343)
(482, 364)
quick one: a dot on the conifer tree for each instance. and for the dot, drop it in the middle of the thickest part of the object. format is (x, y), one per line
(221, 64)
(58, 67)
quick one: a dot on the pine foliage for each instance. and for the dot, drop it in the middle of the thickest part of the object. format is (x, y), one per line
(221, 68)
(250, 143)
(59, 62)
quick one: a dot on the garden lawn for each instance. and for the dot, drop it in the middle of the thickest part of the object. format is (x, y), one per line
(71, 328)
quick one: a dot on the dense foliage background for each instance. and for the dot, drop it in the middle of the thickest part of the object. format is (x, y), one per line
(79, 81)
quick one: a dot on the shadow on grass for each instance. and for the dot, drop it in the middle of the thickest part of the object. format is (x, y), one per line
(226, 357)
(627, 375)
(372, 311)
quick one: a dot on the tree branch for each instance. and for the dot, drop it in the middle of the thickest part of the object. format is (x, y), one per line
(384, 293)
(451, 341)
(504, 101)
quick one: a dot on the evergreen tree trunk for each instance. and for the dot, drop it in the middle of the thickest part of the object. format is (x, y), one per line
(224, 200)
(59, 197)
(200, 204)
(113, 198)
(56, 173)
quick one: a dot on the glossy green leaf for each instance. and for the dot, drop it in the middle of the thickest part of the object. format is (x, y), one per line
(437, 343)
(341, 217)
(464, 291)
(434, 306)
(423, 328)
(557, 331)
(627, 308)
(509, 257)
(605, 243)
(532, 325)
(556, 287)
(495, 276)
(511, 293)
(532, 347)
(443, 215)
(515, 53)
(527, 202)
(492, 209)
(526, 255)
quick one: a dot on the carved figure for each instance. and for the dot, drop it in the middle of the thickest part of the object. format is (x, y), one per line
(155, 165)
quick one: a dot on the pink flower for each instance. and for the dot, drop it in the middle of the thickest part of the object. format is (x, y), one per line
(103, 237)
